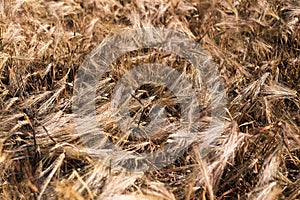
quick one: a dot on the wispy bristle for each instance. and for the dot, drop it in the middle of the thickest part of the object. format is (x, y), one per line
(255, 46)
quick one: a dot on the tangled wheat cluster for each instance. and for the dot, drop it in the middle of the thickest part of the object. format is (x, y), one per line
(255, 45)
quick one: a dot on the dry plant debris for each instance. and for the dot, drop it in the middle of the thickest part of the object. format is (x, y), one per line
(256, 46)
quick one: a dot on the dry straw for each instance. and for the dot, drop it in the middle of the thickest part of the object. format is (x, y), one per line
(256, 46)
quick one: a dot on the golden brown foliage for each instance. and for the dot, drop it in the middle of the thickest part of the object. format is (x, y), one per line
(256, 46)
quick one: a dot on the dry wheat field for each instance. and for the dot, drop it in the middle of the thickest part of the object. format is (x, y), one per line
(255, 46)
